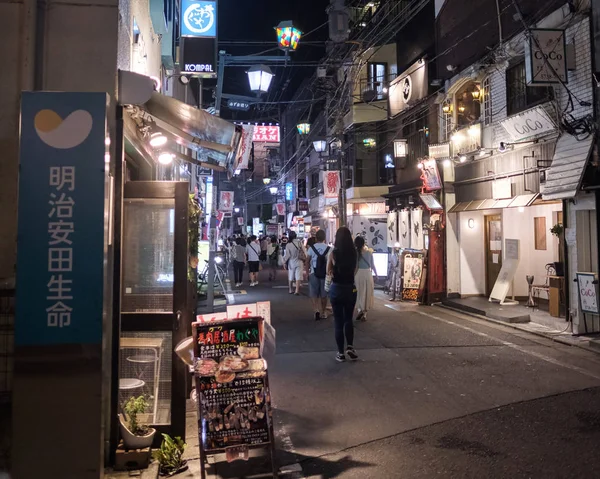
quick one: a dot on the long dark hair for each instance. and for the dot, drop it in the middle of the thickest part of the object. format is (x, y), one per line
(343, 242)
(359, 242)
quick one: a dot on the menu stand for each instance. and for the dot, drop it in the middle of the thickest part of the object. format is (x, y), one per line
(233, 398)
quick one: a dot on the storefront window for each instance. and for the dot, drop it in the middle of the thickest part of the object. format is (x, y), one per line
(467, 107)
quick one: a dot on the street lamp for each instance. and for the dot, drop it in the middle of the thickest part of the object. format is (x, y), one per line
(260, 77)
(273, 190)
(288, 36)
(320, 145)
(303, 128)
(266, 181)
(237, 210)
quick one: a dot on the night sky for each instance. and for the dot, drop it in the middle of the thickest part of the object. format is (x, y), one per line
(254, 20)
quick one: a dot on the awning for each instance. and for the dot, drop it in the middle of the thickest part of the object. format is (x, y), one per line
(563, 178)
(515, 202)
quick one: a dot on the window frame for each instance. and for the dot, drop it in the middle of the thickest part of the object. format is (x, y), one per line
(486, 92)
(375, 83)
(533, 95)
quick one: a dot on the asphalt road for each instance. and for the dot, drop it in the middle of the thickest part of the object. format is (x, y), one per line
(434, 394)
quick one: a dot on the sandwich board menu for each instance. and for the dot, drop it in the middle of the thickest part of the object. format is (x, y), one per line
(232, 388)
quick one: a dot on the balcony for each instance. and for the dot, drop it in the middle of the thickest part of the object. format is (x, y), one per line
(369, 101)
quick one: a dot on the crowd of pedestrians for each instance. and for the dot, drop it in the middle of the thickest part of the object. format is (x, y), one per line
(341, 273)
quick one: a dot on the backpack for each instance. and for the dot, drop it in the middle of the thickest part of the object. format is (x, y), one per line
(301, 252)
(321, 267)
(275, 253)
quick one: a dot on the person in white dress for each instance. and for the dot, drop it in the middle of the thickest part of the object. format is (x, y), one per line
(363, 279)
(293, 261)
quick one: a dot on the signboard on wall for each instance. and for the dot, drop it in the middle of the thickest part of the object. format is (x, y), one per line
(528, 123)
(441, 150)
(198, 18)
(245, 147)
(226, 201)
(410, 87)
(431, 176)
(289, 191)
(331, 183)
(466, 140)
(61, 211)
(546, 57)
(266, 133)
(200, 57)
(588, 292)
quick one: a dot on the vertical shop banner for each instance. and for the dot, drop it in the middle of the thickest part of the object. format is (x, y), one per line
(392, 229)
(240, 220)
(404, 229)
(226, 201)
(416, 229)
(331, 183)
(245, 147)
(61, 229)
(280, 209)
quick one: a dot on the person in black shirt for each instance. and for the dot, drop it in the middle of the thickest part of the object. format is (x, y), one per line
(341, 266)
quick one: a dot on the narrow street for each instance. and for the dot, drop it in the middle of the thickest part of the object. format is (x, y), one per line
(434, 394)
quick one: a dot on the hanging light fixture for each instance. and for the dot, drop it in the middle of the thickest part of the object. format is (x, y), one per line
(461, 108)
(157, 139)
(476, 94)
(260, 77)
(447, 107)
(266, 180)
(303, 128)
(288, 36)
(320, 145)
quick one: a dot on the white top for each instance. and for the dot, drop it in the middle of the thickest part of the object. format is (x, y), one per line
(253, 251)
(320, 247)
(292, 252)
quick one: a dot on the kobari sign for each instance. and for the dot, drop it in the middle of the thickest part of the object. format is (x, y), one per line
(408, 88)
(198, 18)
(529, 123)
(200, 57)
(62, 229)
(546, 57)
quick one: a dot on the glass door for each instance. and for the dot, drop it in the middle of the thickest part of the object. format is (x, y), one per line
(154, 312)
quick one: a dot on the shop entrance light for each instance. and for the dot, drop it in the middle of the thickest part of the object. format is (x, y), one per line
(157, 139)
(260, 77)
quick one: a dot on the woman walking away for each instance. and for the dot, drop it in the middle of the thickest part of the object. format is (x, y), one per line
(273, 255)
(365, 287)
(293, 260)
(341, 266)
(239, 260)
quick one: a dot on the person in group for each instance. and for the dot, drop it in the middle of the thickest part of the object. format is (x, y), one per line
(284, 242)
(253, 253)
(293, 260)
(341, 265)
(309, 242)
(365, 287)
(316, 265)
(264, 245)
(273, 250)
(239, 261)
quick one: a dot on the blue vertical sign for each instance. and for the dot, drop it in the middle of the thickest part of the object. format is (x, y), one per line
(60, 256)
(198, 18)
(289, 191)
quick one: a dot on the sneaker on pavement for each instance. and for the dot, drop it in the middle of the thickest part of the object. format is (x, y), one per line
(351, 354)
(340, 358)
(317, 316)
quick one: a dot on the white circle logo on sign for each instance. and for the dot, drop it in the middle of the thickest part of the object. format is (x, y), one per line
(199, 19)
(406, 89)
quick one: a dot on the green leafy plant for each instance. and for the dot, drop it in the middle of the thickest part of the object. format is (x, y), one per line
(170, 455)
(133, 407)
(194, 214)
(557, 230)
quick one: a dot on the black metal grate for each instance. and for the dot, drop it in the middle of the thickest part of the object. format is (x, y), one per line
(7, 336)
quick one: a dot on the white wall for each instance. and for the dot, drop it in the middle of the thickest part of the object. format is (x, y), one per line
(472, 255)
(517, 225)
(452, 248)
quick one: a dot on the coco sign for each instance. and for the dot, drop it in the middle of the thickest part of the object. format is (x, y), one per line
(527, 124)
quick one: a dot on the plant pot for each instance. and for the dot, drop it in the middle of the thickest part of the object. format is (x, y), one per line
(131, 441)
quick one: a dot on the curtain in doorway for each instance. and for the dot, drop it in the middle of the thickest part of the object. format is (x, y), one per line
(392, 229)
(404, 229)
(416, 229)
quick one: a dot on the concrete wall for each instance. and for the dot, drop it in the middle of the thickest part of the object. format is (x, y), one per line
(472, 256)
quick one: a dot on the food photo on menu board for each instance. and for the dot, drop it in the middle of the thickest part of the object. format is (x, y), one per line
(231, 385)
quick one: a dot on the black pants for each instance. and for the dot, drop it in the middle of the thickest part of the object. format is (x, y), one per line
(238, 271)
(343, 299)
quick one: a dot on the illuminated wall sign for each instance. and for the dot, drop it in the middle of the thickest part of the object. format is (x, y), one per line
(546, 57)
(200, 57)
(529, 123)
(198, 18)
(466, 140)
(408, 88)
(238, 105)
(441, 150)
(289, 191)
(266, 133)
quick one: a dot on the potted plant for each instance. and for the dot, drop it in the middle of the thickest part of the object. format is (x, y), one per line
(134, 434)
(170, 456)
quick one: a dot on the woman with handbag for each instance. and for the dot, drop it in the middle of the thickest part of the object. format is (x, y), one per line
(365, 287)
(341, 268)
